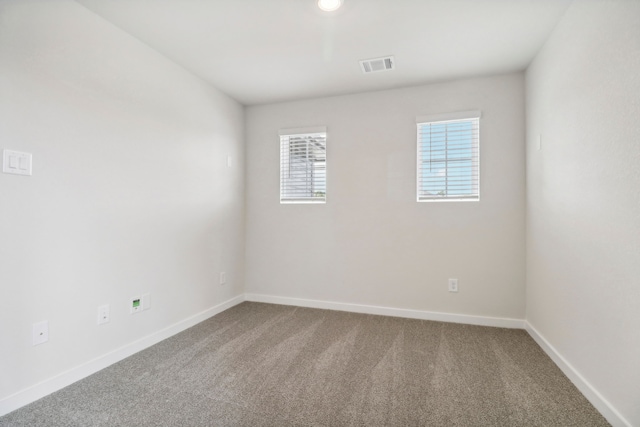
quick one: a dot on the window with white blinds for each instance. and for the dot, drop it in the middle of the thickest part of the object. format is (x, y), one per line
(303, 166)
(449, 157)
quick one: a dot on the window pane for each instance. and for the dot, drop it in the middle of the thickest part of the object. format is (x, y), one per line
(448, 160)
(303, 168)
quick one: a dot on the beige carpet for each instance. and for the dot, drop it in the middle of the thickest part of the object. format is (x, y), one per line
(271, 365)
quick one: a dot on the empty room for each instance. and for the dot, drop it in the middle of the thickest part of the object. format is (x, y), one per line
(320, 213)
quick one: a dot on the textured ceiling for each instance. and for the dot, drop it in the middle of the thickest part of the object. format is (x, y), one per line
(263, 51)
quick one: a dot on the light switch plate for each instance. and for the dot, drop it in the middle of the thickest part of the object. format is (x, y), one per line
(16, 162)
(146, 301)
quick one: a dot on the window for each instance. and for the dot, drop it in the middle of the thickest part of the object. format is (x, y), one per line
(303, 166)
(449, 157)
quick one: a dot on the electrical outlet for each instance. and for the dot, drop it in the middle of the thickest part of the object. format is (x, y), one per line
(40, 332)
(223, 278)
(453, 285)
(103, 314)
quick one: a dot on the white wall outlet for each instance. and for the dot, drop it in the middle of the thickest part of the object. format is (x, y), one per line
(223, 277)
(135, 305)
(453, 285)
(103, 314)
(40, 332)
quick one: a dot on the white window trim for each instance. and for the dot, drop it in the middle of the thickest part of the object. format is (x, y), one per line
(297, 131)
(460, 115)
(446, 117)
(300, 131)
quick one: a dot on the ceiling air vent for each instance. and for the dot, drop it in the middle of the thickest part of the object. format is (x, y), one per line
(377, 64)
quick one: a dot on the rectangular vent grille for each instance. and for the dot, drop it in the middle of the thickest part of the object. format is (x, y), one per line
(377, 64)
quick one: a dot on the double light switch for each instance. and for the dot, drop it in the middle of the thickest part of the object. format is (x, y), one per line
(16, 162)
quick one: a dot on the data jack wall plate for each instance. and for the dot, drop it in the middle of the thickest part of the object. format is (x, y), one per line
(140, 303)
(136, 305)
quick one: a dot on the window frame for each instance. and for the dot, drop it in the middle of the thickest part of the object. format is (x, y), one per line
(285, 136)
(464, 116)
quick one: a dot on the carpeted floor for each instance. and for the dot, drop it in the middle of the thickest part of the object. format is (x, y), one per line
(271, 365)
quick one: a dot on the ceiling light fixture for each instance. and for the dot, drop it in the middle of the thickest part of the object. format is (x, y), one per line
(329, 5)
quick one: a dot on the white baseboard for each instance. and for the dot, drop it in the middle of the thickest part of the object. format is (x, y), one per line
(388, 311)
(592, 395)
(37, 391)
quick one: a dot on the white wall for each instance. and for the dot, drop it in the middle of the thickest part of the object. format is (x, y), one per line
(583, 197)
(372, 243)
(130, 191)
